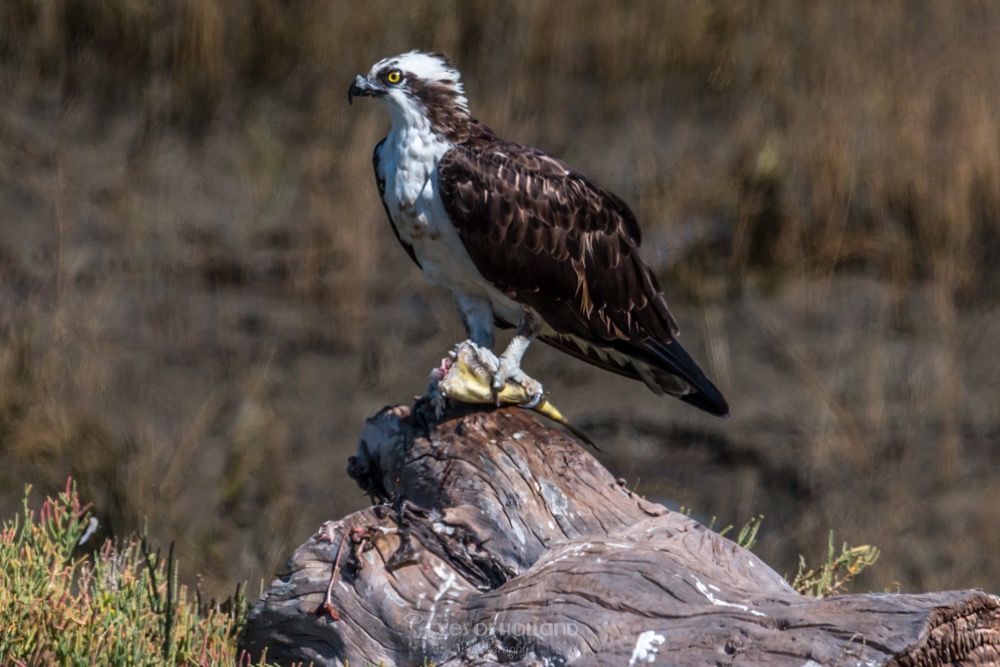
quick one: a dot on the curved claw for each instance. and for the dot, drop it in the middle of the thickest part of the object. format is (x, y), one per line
(510, 373)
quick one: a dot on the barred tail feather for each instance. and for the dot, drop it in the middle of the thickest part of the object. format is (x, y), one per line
(666, 368)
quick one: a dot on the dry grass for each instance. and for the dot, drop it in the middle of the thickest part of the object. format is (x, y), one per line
(198, 294)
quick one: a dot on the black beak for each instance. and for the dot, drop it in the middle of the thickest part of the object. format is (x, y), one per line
(362, 88)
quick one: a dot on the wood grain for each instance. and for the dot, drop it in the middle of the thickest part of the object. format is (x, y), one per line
(495, 539)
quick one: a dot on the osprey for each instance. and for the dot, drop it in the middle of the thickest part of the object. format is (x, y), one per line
(520, 239)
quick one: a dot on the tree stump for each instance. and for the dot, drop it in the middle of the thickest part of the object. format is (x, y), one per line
(496, 539)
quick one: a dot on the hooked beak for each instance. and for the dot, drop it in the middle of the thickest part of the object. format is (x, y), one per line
(362, 88)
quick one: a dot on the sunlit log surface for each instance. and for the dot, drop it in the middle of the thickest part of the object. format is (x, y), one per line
(497, 539)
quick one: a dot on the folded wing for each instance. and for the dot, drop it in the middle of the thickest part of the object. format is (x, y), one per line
(552, 240)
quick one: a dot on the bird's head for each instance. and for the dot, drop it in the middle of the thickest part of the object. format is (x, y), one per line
(416, 87)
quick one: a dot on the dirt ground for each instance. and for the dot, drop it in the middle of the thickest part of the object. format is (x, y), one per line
(194, 323)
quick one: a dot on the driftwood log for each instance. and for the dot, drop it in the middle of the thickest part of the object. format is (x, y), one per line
(496, 539)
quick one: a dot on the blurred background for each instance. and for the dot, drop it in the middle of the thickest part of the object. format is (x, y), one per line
(201, 300)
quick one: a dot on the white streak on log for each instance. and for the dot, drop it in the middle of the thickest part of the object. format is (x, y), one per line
(646, 647)
(449, 579)
(570, 551)
(443, 528)
(522, 467)
(518, 533)
(395, 598)
(555, 499)
(620, 545)
(703, 589)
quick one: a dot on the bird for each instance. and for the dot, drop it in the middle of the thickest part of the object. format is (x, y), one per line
(520, 239)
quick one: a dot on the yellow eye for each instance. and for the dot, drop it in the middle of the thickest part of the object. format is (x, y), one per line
(395, 76)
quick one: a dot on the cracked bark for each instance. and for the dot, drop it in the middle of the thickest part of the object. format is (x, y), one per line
(495, 539)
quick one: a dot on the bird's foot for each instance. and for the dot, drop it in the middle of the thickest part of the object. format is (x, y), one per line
(474, 374)
(509, 370)
(468, 375)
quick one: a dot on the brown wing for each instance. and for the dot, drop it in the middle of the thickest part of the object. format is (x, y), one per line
(553, 240)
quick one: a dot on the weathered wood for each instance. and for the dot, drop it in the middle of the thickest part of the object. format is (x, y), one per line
(499, 540)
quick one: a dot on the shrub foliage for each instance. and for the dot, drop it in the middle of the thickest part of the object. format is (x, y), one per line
(116, 605)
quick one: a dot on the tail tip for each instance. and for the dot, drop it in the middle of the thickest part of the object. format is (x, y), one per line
(711, 401)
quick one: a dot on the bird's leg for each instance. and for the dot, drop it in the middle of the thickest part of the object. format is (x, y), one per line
(509, 366)
(477, 314)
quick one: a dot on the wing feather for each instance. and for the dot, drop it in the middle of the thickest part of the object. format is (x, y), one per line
(554, 241)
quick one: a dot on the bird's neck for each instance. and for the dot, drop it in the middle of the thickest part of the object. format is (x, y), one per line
(451, 124)
(416, 141)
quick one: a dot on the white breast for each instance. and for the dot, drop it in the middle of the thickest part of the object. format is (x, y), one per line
(408, 164)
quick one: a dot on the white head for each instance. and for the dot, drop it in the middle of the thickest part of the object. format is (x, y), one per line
(417, 87)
